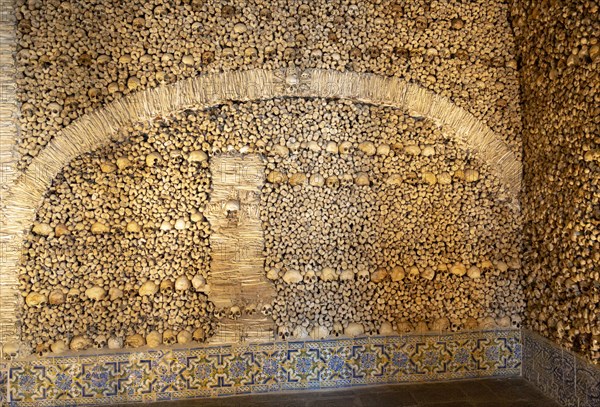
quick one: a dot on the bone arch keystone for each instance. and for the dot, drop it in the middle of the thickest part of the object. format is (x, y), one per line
(96, 129)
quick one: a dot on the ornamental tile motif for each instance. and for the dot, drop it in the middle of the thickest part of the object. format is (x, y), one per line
(213, 371)
(559, 373)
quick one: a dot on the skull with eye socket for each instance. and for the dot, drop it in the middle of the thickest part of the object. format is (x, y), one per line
(310, 279)
(250, 309)
(363, 276)
(199, 335)
(220, 313)
(167, 287)
(370, 328)
(54, 109)
(413, 274)
(169, 337)
(332, 182)
(267, 310)
(338, 329)
(41, 349)
(235, 312)
(100, 342)
(284, 333)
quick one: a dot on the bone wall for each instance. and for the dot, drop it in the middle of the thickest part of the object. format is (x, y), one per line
(75, 56)
(558, 43)
(374, 221)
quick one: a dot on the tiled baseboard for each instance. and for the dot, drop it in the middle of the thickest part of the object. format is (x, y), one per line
(212, 371)
(559, 373)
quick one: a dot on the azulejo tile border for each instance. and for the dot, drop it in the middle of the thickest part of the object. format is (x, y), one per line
(559, 373)
(212, 371)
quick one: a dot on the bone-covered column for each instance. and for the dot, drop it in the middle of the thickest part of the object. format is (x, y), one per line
(238, 286)
(9, 242)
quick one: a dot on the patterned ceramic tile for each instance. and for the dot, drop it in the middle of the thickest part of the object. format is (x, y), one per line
(212, 371)
(369, 363)
(3, 383)
(567, 395)
(559, 373)
(401, 367)
(431, 357)
(587, 384)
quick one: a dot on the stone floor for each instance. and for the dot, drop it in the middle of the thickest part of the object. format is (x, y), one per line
(511, 392)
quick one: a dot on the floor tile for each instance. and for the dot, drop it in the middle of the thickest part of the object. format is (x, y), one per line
(513, 390)
(438, 393)
(389, 398)
(476, 390)
(518, 403)
(335, 402)
(507, 392)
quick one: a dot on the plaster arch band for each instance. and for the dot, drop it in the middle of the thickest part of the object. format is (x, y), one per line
(99, 128)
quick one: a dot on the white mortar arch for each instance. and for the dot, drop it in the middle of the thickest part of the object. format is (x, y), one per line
(98, 128)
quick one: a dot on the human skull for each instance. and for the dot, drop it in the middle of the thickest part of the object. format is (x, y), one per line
(199, 282)
(283, 332)
(397, 273)
(403, 327)
(115, 343)
(292, 277)
(184, 336)
(27, 109)
(455, 325)
(199, 335)
(471, 324)
(487, 323)
(59, 347)
(153, 339)
(79, 343)
(379, 275)
(421, 327)
(310, 278)
(267, 310)
(11, 349)
(504, 321)
(328, 274)
(386, 329)
(363, 276)
(41, 349)
(413, 273)
(36, 300)
(354, 329)
(182, 283)
(347, 275)
(54, 109)
(300, 332)
(370, 328)
(235, 312)
(100, 341)
(220, 313)
(135, 341)
(167, 286)
(516, 321)
(250, 309)
(440, 324)
(169, 337)
(319, 332)
(338, 329)
(332, 182)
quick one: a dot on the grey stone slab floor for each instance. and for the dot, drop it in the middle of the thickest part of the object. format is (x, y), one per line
(508, 392)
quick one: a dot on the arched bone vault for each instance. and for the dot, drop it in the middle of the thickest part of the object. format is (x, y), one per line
(98, 128)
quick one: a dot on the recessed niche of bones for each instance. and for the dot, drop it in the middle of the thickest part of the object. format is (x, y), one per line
(372, 221)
